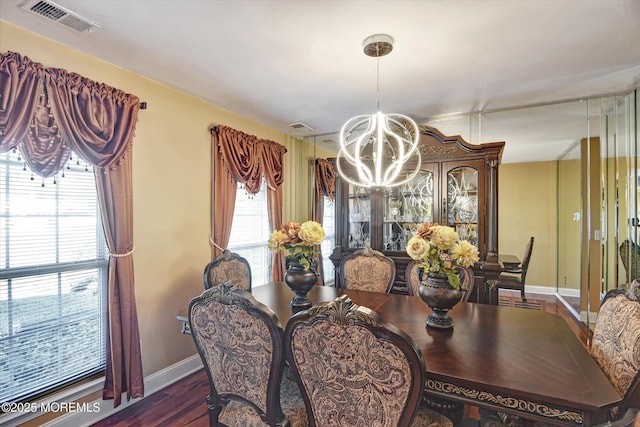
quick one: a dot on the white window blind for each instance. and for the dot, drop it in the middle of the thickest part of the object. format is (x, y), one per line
(329, 242)
(250, 233)
(53, 271)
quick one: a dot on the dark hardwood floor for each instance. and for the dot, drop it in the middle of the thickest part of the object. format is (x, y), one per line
(183, 403)
(180, 404)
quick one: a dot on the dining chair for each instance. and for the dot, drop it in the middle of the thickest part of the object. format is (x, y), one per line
(412, 279)
(228, 266)
(367, 270)
(515, 279)
(354, 368)
(614, 347)
(615, 344)
(630, 255)
(240, 343)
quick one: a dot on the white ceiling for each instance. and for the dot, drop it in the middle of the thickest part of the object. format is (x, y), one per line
(285, 61)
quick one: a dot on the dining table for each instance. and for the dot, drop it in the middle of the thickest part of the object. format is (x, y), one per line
(488, 292)
(514, 360)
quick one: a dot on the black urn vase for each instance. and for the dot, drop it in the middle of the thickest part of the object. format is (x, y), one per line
(440, 297)
(300, 281)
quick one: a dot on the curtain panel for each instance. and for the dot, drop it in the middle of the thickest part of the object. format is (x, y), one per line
(47, 113)
(245, 159)
(325, 185)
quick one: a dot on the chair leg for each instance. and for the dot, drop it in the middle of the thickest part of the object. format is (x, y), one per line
(524, 299)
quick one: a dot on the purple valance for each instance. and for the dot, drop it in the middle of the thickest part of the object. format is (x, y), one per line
(49, 112)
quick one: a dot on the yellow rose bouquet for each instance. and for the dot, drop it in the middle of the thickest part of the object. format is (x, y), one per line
(438, 249)
(299, 241)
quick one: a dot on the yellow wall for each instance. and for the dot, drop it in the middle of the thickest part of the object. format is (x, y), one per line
(171, 187)
(527, 207)
(569, 231)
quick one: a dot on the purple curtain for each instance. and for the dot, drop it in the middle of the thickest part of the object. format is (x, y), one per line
(47, 113)
(325, 185)
(245, 159)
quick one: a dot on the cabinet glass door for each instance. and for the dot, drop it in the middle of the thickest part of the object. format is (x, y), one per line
(404, 208)
(462, 202)
(359, 217)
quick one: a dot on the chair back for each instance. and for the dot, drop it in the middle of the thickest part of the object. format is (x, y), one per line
(367, 270)
(616, 341)
(412, 279)
(228, 266)
(352, 367)
(240, 343)
(630, 255)
(524, 266)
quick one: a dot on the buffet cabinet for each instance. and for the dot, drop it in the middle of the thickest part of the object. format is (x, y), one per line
(456, 186)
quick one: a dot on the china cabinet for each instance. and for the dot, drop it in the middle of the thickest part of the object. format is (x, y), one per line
(456, 186)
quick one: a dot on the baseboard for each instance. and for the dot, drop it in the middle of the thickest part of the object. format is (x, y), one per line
(102, 409)
(542, 290)
(567, 292)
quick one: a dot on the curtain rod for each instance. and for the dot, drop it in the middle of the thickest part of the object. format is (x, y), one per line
(216, 129)
(143, 105)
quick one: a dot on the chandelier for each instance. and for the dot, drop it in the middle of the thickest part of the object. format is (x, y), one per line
(378, 146)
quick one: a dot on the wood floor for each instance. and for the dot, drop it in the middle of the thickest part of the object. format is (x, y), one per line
(183, 403)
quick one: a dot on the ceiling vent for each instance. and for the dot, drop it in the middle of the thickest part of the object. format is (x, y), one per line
(59, 14)
(301, 127)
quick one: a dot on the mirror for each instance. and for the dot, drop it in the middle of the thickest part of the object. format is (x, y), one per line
(581, 206)
(569, 228)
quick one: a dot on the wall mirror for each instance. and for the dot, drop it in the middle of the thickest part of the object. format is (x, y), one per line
(593, 193)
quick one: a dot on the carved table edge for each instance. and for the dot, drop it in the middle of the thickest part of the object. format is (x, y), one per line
(526, 406)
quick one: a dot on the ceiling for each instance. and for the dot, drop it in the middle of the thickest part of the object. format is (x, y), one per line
(281, 62)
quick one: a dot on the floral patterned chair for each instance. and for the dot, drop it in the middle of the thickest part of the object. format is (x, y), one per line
(616, 344)
(240, 343)
(228, 266)
(367, 270)
(353, 368)
(630, 255)
(616, 349)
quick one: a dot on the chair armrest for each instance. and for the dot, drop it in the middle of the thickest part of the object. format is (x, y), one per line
(631, 418)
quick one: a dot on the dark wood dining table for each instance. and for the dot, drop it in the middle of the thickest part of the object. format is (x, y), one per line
(514, 360)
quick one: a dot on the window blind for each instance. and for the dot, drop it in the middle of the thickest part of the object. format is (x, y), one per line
(53, 275)
(250, 233)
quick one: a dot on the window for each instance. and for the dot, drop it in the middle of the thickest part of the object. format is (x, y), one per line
(329, 242)
(250, 233)
(53, 272)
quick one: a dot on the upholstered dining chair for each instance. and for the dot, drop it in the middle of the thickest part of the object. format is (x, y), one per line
(615, 344)
(353, 368)
(412, 279)
(630, 255)
(240, 343)
(228, 266)
(614, 347)
(367, 270)
(515, 279)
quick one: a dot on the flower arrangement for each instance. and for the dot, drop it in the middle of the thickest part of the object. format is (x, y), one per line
(299, 240)
(439, 249)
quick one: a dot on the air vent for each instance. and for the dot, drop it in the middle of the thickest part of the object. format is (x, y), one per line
(59, 14)
(301, 127)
